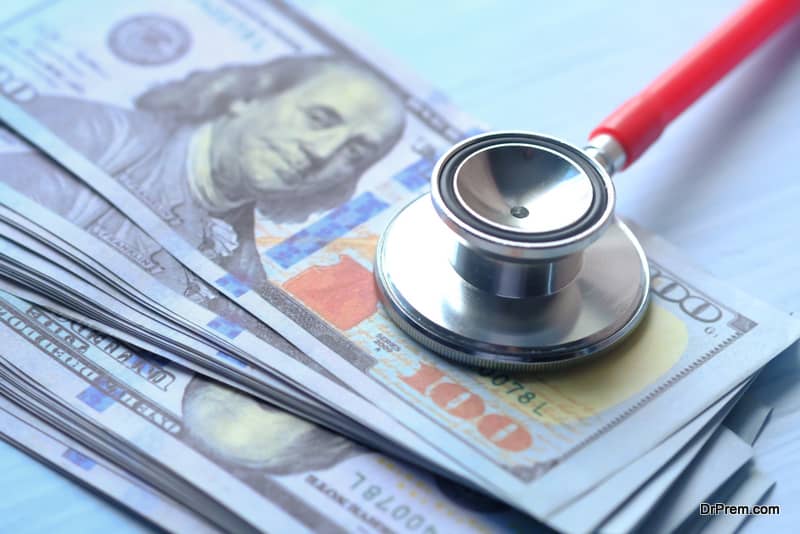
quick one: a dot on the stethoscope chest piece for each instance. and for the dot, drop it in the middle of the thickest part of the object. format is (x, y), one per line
(515, 259)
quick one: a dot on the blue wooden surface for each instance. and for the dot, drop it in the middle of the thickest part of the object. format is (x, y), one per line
(722, 183)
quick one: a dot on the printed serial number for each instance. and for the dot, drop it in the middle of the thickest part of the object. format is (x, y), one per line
(505, 385)
(402, 514)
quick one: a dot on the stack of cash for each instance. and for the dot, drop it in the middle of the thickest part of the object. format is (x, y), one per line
(190, 197)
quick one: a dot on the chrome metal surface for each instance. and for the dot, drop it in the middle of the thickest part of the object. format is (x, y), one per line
(608, 152)
(511, 278)
(530, 268)
(433, 304)
(522, 187)
(522, 196)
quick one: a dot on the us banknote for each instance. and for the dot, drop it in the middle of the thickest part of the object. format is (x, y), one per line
(180, 299)
(584, 514)
(402, 445)
(275, 471)
(633, 490)
(726, 456)
(44, 442)
(589, 511)
(636, 508)
(269, 166)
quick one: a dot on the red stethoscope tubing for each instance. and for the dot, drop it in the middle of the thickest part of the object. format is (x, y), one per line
(637, 123)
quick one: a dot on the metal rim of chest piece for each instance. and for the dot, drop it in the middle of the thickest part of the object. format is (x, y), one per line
(515, 259)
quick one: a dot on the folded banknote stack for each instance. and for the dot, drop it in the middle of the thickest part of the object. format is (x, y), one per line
(190, 198)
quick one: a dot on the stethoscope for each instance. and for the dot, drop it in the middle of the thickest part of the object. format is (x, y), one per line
(515, 259)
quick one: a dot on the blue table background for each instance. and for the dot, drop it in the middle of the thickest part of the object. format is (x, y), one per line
(722, 183)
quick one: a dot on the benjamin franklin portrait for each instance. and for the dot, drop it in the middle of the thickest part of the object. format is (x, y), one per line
(255, 442)
(288, 138)
(252, 438)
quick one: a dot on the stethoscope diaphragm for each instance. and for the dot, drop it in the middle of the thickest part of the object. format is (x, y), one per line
(488, 271)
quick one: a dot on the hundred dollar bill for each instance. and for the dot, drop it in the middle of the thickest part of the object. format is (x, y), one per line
(724, 456)
(120, 234)
(269, 166)
(634, 489)
(129, 275)
(637, 507)
(57, 450)
(246, 378)
(275, 471)
(589, 511)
